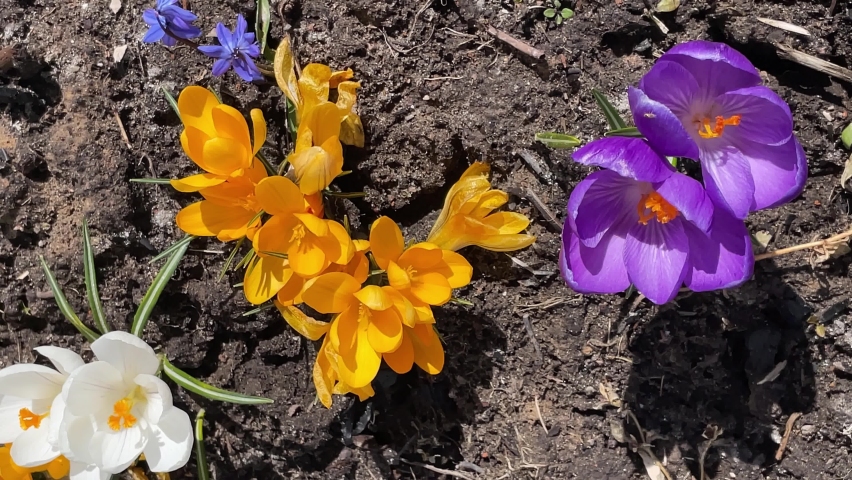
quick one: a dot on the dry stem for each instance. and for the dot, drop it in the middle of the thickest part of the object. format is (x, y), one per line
(820, 243)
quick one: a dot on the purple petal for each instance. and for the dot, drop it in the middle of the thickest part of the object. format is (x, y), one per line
(246, 69)
(162, 4)
(728, 179)
(593, 270)
(724, 259)
(154, 34)
(764, 116)
(173, 11)
(226, 39)
(716, 67)
(629, 157)
(689, 198)
(247, 39)
(221, 66)
(150, 17)
(672, 85)
(241, 28)
(602, 200)
(215, 51)
(182, 29)
(664, 131)
(779, 172)
(656, 258)
(252, 50)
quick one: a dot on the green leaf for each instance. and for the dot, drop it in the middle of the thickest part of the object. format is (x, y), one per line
(261, 28)
(257, 310)
(246, 259)
(292, 119)
(91, 279)
(200, 453)
(345, 194)
(556, 4)
(158, 181)
(215, 94)
(624, 132)
(666, 6)
(557, 140)
(673, 161)
(550, 13)
(612, 117)
(172, 248)
(64, 306)
(172, 102)
(140, 320)
(846, 136)
(567, 13)
(230, 259)
(276, 255)
(194, 385)
(461, 301)
(558, 20)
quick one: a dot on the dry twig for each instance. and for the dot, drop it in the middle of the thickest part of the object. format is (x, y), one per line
(818, 244)
(540, 418)
(779, 454)
(442, 471)
(813, 62)
(518, 45)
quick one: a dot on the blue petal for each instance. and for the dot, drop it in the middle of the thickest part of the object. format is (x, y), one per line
(173, 11)
(183, 30)
(169, 40)
(215, 51)
(221, 66)
(150, 16)
(154, 34)
(242, 26)
(246, 69)
(226, 38)
(252, 51)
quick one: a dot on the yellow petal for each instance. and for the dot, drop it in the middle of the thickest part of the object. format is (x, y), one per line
(307, 258)
(291, 292)
(316, 226)
(192, 140)
(352, 131)
(307, 327)
(224, 156)
(385, 331)
(346, 97)
(285, 72)
(473, 182)
(255, 173)
(402, 359)
(358, 267)
(341, 388)
(323, 375)
(330, 292)
(428, 351)
(402, 305)
(339, 77)
(359, 366)
(398, 277)
(361, 246)
(486, 203)
(421, 256)
(504, 243)
(195, 105)
(265, 278)
(317, 167)
(507, 222)
(344, 329)
(228, 193)
(229, 234)
(374, 298)
(206, 219)
(195, 183)
(323, 120)
(423, 314)
(456, 269)
(313, 85)
(431, 287)
(275, 235)
(314, 204)
(477, 169)
(386, 241)
(231, 124)
(279, 196)
(342, 245)
(259, 125)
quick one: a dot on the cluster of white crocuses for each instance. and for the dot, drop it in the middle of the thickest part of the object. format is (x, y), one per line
(101, 416)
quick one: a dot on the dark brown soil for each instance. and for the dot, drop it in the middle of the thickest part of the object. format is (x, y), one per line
(438, 93)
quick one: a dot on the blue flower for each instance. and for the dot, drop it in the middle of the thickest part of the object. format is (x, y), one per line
(175, 19)
(237, 49)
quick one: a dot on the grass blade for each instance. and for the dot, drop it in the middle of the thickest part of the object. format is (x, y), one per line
(194, 385)
(612, 117)
(230, 259)
(624, 132)
(157, 181)
(557, 140)
(329, 193)
(171, 100)
(140, 320)
(846, 136)
(91, 278)
(261, 28)
(200, 453)
(269, 169)
(63, 305)
(172, 248)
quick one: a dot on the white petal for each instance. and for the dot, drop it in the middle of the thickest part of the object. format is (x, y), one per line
(126, 352)
(57, 416)
(94, 389)
(75, 436)
(28, 380)
(66, 361)
(170, 442)
(158, 394)
(31, 448)
(81, 471)
(10, 411)
(115, 451)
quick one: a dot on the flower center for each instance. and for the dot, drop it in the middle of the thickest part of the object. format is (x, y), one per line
(298, 234)
(654, 205)
(29, 419)
(121, 411)
(713, 129)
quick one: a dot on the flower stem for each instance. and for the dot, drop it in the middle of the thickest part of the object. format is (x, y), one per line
(820, 243)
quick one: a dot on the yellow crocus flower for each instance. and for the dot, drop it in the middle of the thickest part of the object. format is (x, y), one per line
(468, 216)
(55, 469)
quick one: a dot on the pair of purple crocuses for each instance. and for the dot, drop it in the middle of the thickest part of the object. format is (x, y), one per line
(639, 221)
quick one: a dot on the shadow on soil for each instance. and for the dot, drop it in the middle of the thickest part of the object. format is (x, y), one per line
(710, 361)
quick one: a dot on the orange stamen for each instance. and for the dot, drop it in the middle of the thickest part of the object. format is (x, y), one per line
(121, 417)
(719, 126)
(29, 419)
(653, 205)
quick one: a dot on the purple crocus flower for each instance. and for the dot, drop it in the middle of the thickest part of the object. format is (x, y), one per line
(237, 49)
(641, 222)
(704, 101)
(169, 15)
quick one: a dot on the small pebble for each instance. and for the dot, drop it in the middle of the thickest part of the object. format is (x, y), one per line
(808, 429)
(293, 410)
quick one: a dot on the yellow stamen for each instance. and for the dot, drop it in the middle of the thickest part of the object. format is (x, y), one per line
(659, 207)
(706, 131)
(298, 234)
(121, 416)
(29, 419)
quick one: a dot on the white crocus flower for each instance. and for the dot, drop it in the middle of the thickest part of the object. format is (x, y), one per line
(117, 409)
(32, 410)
